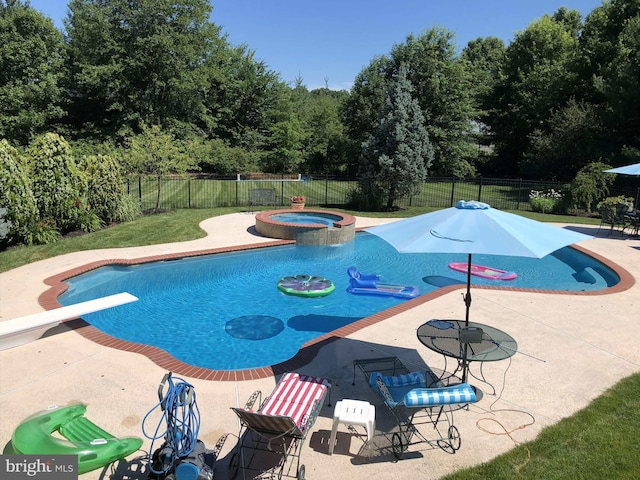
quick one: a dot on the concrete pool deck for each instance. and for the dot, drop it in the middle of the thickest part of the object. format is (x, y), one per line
(572, 348)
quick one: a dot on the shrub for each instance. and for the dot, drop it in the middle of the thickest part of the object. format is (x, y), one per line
(44, 232)
(128, 209)
(106, 186)
(366, 198)
(5, 225)
(545, 202)
(57, 183)
(615, 201)
(590, 184)
(88, 220)
(16, 197)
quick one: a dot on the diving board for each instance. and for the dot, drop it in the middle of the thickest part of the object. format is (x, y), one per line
(21, 330)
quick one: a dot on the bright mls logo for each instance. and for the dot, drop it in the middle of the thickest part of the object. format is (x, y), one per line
(43, 467)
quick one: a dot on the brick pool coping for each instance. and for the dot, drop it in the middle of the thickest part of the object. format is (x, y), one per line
(49, 300)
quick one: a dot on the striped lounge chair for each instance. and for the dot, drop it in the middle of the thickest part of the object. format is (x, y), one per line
(279, 426)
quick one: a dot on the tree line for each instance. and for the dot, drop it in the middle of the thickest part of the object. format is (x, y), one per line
(156, 86)
(563, 93)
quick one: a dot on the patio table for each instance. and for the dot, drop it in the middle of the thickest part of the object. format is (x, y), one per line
(474, 342)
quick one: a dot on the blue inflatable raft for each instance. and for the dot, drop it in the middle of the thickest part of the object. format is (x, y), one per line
(370, 284)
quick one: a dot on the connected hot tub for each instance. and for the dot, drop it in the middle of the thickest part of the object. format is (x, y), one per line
(307, 227)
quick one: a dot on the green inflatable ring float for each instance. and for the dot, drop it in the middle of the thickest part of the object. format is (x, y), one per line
(94, 447)
(306, 286)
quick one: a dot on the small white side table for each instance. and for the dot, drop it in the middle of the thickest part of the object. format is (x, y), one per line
(353, 412)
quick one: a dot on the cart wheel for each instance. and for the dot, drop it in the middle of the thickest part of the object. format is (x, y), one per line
(453, 441)
(234, 463)
(396, 445)
(301, 473)
(454, 437)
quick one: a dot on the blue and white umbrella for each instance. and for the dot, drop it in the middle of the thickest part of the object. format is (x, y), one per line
(475, 228)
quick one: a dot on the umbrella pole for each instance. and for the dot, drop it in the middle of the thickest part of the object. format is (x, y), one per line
(467, 297)
(467, 302)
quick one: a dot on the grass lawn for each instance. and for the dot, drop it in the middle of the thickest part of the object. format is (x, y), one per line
(597, 442)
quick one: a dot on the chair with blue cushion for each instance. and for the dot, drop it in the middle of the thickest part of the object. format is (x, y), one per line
(415, 398)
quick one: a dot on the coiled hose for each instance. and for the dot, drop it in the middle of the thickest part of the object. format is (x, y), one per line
(181, 416)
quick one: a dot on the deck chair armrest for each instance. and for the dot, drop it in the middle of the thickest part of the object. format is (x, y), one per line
(379, 386)
(310, 419)
(255, 397)
(215, 452)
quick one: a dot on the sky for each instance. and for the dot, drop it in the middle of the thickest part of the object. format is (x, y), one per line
(326, 43)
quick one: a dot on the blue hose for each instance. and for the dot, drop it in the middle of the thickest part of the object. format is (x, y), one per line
(181, 416)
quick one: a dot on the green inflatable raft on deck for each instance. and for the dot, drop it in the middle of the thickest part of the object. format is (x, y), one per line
(94, 447)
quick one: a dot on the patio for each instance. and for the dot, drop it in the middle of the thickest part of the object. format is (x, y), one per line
(568, 358)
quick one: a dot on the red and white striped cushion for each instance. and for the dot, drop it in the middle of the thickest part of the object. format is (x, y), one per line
(294, 397)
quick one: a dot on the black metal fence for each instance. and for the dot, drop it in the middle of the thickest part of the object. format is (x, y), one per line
(335, 191)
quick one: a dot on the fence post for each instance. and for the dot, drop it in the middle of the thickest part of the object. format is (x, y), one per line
(189, 193)
(326, 188)
(453, 190)
(237, 182)
(519, 194)
(140, 189)
(480, 189)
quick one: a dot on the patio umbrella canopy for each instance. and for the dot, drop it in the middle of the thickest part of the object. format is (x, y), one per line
(626, 170)
(633, 170)
(475, 228)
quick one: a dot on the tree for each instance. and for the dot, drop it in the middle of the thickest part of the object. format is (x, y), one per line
(537, 79)
(395, 160)
(361, 110)
(139, 62)
(571, 20)
(484, 59)
(622, 85)
(31, 60)
(570, 142)
(323, 132)
(608, 74)
(444, 92)
(157, 153)
(442, 88)
(285, 138)
(218, 157)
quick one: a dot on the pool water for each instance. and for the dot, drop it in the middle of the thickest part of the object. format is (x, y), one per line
(225, 311)
(306, 218)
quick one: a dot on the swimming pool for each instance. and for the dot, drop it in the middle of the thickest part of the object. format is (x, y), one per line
(224, 311)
